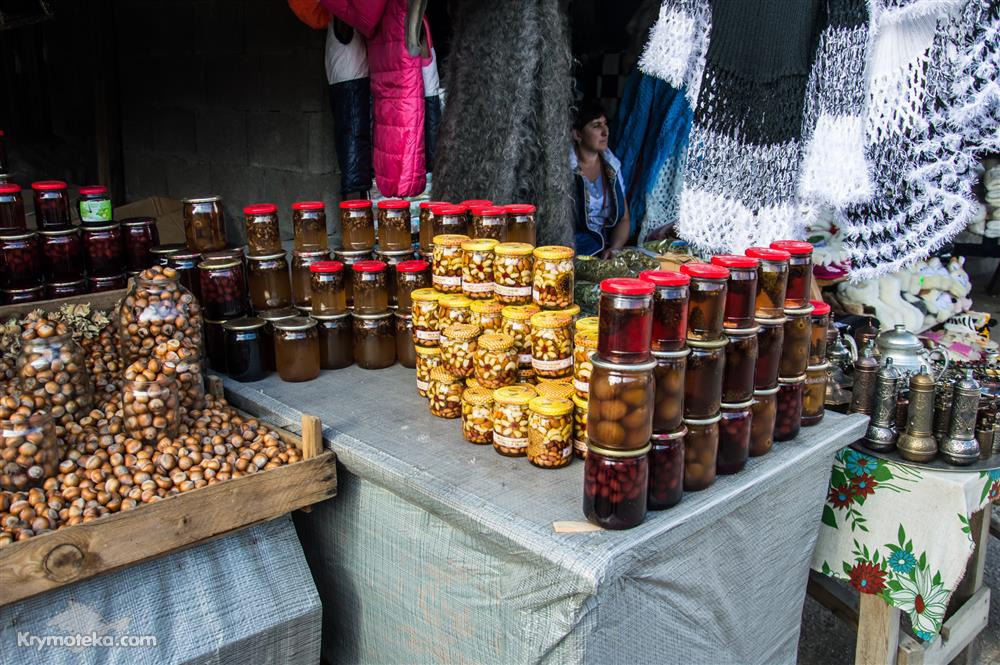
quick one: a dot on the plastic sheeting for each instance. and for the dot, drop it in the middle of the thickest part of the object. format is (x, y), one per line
(244, 598)
(437, 550)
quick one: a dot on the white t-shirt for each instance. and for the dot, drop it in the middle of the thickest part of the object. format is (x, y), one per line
(345, 62)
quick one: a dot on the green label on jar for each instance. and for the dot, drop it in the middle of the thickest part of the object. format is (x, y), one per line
(98, 210)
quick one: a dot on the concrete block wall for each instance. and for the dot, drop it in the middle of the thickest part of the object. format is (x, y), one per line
(225, 97)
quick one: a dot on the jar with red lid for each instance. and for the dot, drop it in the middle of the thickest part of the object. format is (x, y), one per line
(22, 296)
(741, 364)
(65, 289)
(349, 258)
(94, 205)
(204, 224)
(185, 262)
(799, 271)
(814, 394)
(104, 250)
(101, 284)
(820, 329)
(223, 289)
(666, 469)
(406, 352)
(141, 236)
(449, 220)
(336, 340)
(488, 222)
(741, 293)
(357, 225)
(427, 224)
(772, 281)
(770, 340)
(670, 308)
(788, 417)
(615, 484)
(410, 276)
(707, 300)
(625, 313)
(21, 259)
(63, 255)
(521, 223)
(701, 449)
(668, 405)
(269, 284)
(798, 338)
(326, 279)
(263, 230)
(391, 260)
(301, 285)
(51, 204)
(467, 207)
(734, 437)
(394, 233)
(703, 379)
(371, 295)
(11, 208)
(309, 225)
(764, 410)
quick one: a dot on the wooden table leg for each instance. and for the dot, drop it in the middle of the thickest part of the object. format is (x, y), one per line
(979, 525)
(878, 632)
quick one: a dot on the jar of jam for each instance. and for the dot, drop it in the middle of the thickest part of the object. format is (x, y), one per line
(701, 447)
(552, 279)
(668, 404)
(426, 330)
(223, 289)
(458, 348)
(770, 341)
(405, 351)
(336, 340)
(621, 404)
(21, 259)
(94, 205)
(160, 253)
(427, 232)
(477, 415)
(703, 379)
(21, 296)
(326, 279)
(309, 225)
(734, 437)
(550, 432)
(477, 268)
(448, 262)
(63, 255)
(394, 232)
(449, 220)
(103, 250)
(204, 225)
(741, 293)
(772, 281)
(428, 357)
(11, 208)
(495, 360)
(302, 259)
(512, 272)
(51, 205)
(453, 309)
(798, 337)
(666, 470)
(486, 314)
(101, 284)
(580, 415)
(371, 295)
(820, 329)
(741, 364)
(263, 231)
(584, 346)
(799, 271)
(349, 259)
(707, 301)
(215, 344)
(521, 223)
(788, 419)
(296, 348)
(626, 320)
(410, 276)
(141, 235)
(670, 308)
(511, 419)
(55, 290)
(764, 410)
(374, 340)
(185, 263)
(357, 225)
(551, 345)
(444, 395)
(615, 485)
(267, 332)
(270, 286)
(488, 222)
(516, 322)
(244, 349)
(814, 393)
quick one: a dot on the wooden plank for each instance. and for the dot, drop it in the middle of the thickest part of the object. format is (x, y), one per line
(878, 632)
(972, 582)
(312, 436)
(105, 300)
(961, 629)
(911, 651)
(835, 596)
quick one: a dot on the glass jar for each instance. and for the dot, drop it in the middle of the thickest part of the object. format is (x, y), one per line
(772, 280)
(453, 309)
(55, 290)
(11, 208)
(770, 341)
(741, 292)
(391, 261)
(621, 404)
(799, 271)
(204, 225)
(488, 222)
(552, 280)
(21, 260)
(185, 263)
(326, 280)
(244, 349)
(394, 232)
(512, 271)
(21, 296)
(215, 345)
(798, 337)
(551, 345)
(51, 205)
(584, 346)
(703, 379)
(550, 432)
(788, 418)
(101, 284)
(626, 320)
(701, 447)
(63, 255)
(495, 361)
(449, 220)
(349, 259)
(410, 276)
(371, 295)
(670, 308)
(223, 289)
(814, 394)
(444, 396)
(141, 235)
(427, 232)
(374, 340)
(469, 204)
(29, 447)
(477, 268)
(94, 205)
(521, 223)
(357, 225)
(477, 415)
(668, 404)
(580, 415)
(301, 277)
(511, 419)
(615, 485)
(428, 357)
(741, 365)
(296, 348)
(458, 349)
(336, 340)
(405, 352)
(447, 262)
(820, 329)
(516, 322)
(263, 230)
(270, 286)
(764, 411)
(52, 370)
(157, 309)
(426, 330)
(486, 314)
(267, 333)
(734, 437)
(666, 470)
(309, 226)
(103, 250)
(150, 409)
(160, 253)
(707, 300)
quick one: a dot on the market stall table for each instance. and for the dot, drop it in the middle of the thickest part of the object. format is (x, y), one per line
(440, 550)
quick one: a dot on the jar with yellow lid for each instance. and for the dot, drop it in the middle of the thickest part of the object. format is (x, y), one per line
(516, 322)
(556, 388)
(477, 415)
(446, 265)
(550, 432)
(473, 382)
(512, 271)
(495, 360)
(486, 314)
(584, 346)
(580, 408)
(588, 323)
(425, 317)
(428, 357)
(510, 419)
(477, 268)
(551, 345)
(573, 312)
(445, 393)
(454, 308)
(458, 348)
(553, 277)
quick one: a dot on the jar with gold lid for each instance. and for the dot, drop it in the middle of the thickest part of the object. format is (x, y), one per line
(512, 273)
(511, 419)
(516, 322)
(448, 262)
(552, 280)
(477, 268)
(454, 308)
(584, 346)
(204, 225)
(445, 394)
(477, 415)
(615, 486)
(495, 360)
(788, 419)
(814, 393)
(797, 340)
(580, 409)
(668, 403)
(701, 447)
(428, 357)
(703, 379)
(666, 469)
(426, 330)
(734, 437)
(551, 345)
(486, 314)
(459, 343)
(764, 410)
(550, 432)
(621, 404)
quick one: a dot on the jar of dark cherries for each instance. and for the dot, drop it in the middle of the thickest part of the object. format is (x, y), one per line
(223, 289)
(104, 250)
(764, 410)
(707, 301)
(21, 259)
(798, 338)
(185, 261)
(734, 437)
(703, 379)
(741, 363)
(626, 320)
(668, 404)
(666, 469)
(614, 487)
(770, 341)
(63, 255)
(701, 448)
(772, 281)
(141, 235)
(111, 283)
(788, 419)
(51, 205)
(820, 330)
(741, 292)
(670, 308)
(22, 296)
(799, 271)
(11, 208)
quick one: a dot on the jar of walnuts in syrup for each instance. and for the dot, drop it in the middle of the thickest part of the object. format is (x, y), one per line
(357, 225)
(799, 271)
(670, 308)
(772, 281)
(741, 293)
(798, 337)
(764, 410)
(263, 233)
(427, 225)
(707, 300)
(394, 232)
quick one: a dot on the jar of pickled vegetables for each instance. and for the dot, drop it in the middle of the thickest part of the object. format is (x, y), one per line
(584, 346)
(326, 282)
(741, 365)
(426, 330)
(799, 271)
(798, 337)
(357, 225)
(448, 262)
(820, 329)
(670, 308)
(11, 208)
(336, 340)
(453, 308)
(513, 264)
(486, 314)
(394, 232)
(374, 340)
(703, 379)
(764, 410)
(788, 419)
(495, 360)
(477, 268)
(741, 292)
(428, 357)
(770, 341)
(204, 225)
(301, 276)
(449, 220)
(580, 408)
(51, 205)
(458, 348)
(666, 469)
(701, 448)
(410, 276)
(521, 223)
(405, 351)
(477, 415)
(621, 404)
(371, 295)
(263, 232)
(552, 279)
(516, 322)
(296, 348)
(615, 486)
(550, 432)
(427, 225)
(488, 222)
(551, 345)
(772, 281)
(814, 393)
(734, 437)
(270, 285)
(707, 300)
(626, 320)
(511, 419)
(445, 394)
(668, 403)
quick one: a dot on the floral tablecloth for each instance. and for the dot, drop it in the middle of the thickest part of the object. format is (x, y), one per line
(901, 532)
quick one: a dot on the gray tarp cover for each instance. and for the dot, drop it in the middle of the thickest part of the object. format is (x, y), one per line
(245, 598)
(437, 550)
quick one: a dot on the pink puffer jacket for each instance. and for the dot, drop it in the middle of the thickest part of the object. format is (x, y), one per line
(362, 15)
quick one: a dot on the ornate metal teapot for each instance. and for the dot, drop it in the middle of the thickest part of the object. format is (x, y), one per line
(908, 353)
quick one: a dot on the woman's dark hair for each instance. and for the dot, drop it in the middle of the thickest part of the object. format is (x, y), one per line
(588, 110)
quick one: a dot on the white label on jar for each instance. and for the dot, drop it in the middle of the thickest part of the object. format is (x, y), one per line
(508, 442)
(423, 385)
(98, 210)
(513, 291)
(550, 365)
(582, 386)
(524, 359)
(446, 280)
(477, 287)
(580, 445)
(427, 334)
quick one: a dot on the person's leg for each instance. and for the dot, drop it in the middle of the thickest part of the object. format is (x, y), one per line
(350, 102)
